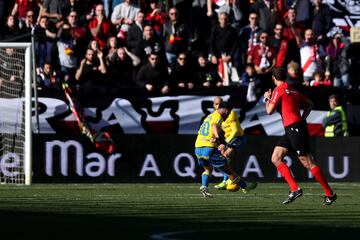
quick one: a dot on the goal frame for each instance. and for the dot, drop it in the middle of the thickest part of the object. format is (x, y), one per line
(27, 107)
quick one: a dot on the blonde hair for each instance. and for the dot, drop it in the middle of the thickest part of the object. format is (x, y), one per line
(293, 65)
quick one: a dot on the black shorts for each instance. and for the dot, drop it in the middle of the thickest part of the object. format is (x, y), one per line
(296, 138)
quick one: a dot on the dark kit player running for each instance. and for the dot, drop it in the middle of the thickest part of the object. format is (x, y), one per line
(296, 138)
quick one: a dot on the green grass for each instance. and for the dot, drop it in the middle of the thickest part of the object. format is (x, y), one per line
(177, 211)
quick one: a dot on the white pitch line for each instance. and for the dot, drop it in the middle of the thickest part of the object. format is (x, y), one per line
(172, 235)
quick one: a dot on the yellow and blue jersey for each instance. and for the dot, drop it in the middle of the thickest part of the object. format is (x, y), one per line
(205, 133)
(231, 127)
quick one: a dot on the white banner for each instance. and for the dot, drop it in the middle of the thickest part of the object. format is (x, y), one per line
(179, 115)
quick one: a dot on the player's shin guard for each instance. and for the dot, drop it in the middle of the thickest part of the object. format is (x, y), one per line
(205, 178)
(285, 172)
(319, 176)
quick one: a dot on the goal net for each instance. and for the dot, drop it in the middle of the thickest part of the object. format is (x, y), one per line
(15, 113)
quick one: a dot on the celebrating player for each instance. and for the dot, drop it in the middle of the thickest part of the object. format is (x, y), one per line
(208, 154)
(296, 136)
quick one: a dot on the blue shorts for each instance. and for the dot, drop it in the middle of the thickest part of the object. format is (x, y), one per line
(238, 143)
(207, 156)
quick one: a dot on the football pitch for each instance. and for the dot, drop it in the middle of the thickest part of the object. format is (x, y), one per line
(176, 211)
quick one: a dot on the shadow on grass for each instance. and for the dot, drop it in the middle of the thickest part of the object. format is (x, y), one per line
(66, 226)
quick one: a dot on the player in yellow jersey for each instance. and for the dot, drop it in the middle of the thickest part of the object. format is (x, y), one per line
(235, 138)
(207, 145)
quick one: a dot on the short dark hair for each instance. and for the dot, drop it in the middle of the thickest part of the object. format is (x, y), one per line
(334, 96)
(279, 73)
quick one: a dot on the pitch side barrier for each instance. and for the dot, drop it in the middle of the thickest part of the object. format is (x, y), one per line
(133, 112)
(163, 158)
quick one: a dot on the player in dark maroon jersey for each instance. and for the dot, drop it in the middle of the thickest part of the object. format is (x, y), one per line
(288, 102)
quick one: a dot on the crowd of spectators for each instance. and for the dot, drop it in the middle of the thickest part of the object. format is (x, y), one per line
(160, 46)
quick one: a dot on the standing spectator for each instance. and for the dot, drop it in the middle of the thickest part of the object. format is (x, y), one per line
(135, 33)
(154, 76)
(28, 25)
(11, 29)
(200, 27)
(76, 6)
(248, 37)
(22, 6)
(335, 122)
(311, 56)
(54, 10)
(148, 44)
(156, 17)
(263, 58)
(232, 8)
(266, 10)
(100, 27)
(78, 33)
(293, 32)
(90, 74)
(337, 63)
(302, 7)
(123, 16)
(45, 38)
(177, 36)
(64, 51)
(322, 20)
(222, 46)
(280, 45)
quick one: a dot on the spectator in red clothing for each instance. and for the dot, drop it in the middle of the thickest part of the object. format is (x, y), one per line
(320, 80)
(263, 58)
(280, 45)
(312, 55)
(293, 32)
(100, 27)
(22, 6)
(78, 33)
(156, 17)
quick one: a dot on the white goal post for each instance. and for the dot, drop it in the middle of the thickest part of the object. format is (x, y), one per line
(15, 113)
